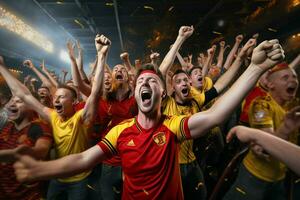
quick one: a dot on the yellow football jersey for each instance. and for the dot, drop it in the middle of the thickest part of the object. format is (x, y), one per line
(264, 112)
(170, 108)
(70, 137)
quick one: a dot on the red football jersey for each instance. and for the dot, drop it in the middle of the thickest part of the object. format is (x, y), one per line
(11, 138)
(149, 157)
(111, 113)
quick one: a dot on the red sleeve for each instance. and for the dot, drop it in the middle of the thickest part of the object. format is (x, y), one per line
(79, 106)
(107, 148)
(186, 128)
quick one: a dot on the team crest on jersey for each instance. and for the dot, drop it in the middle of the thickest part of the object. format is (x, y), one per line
(259, 115)
(159, 138)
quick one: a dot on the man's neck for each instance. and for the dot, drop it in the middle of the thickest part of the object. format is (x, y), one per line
(149, 120)
(65, 117)
(198, 88)
(122, 92)
(180, 101)
(21, 123)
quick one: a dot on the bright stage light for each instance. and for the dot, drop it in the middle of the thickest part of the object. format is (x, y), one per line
(16, 25)
(64, 56)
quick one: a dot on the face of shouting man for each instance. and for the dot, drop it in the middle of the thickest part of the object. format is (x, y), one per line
(149, 91)
(181, 85)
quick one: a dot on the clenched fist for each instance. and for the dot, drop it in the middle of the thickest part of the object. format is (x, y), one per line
(102, 44)
(267, 54)
(186, 31)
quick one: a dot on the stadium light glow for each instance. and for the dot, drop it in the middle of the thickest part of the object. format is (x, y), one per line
(64, 56)
(18, 26)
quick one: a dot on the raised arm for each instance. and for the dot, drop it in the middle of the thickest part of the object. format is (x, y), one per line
(79, 61)
(284, 151)
(21, 91)
(221, 54)
(207, 64)
(184, 33)
(264, 56)
(227, 77)
(295, 63)
(46, 82)
(28, 169)
(233, 51)
(89, 112)
(154, 57)
(181, 61)
(32, 85)
(65, 73)
(125, 58)
(81, 85)
(45, 70)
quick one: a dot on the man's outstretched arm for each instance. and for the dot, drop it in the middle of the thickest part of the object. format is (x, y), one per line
(29, 169)
(264, 56)
(284, 151)
(21, 91)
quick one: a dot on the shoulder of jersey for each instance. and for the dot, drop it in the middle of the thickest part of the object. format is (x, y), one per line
(126, 121)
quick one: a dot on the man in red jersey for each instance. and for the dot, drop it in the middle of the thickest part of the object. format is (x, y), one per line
(21, 134)
(148, 143)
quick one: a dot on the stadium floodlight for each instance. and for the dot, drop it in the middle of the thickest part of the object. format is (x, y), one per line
(18, 26)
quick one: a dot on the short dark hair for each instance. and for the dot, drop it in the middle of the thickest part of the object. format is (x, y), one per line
(72, 90)
(150, 66)
(179, 71)
(193, 68)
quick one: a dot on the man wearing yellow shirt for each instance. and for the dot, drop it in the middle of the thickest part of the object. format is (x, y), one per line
(187, 100)
(70, 127)
(261, 176)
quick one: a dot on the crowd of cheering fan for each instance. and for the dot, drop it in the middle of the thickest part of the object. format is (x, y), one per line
(210, 127)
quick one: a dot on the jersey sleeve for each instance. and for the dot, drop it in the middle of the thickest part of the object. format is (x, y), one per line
(260, 114)
(179, 126)
(208, 84)
(109, 143)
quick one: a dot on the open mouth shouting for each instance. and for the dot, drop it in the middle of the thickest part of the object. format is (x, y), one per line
(58, 108)
(119, 77)
(291, 90)
(42, 96)
(146, 96)
(185, 92)
(13, 111)
(199, 79)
